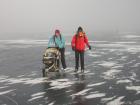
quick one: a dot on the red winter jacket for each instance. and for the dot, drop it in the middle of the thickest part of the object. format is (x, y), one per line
(79, 42)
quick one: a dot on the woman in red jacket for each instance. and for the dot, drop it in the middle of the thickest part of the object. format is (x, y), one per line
(78, 43)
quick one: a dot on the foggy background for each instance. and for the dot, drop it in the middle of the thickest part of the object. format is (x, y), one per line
(33, 18)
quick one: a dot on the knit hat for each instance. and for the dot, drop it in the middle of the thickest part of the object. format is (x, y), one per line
(57, 32)
(80, 29)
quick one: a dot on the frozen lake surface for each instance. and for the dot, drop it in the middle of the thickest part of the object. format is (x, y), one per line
(112, 75)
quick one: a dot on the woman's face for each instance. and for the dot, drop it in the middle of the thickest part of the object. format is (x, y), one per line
(80, 33)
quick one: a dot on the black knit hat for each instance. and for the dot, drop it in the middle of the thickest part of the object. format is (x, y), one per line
(80, 29)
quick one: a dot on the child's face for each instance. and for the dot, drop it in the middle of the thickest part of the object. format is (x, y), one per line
(57, 34)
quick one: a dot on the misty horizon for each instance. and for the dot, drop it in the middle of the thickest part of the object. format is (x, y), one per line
(33, 17)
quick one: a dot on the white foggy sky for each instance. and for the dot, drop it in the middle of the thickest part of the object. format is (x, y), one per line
(37, 16)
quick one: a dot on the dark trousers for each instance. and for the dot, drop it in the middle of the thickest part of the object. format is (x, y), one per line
(81, 55)
(62, 51)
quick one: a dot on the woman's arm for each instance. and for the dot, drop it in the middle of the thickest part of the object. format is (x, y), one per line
(73, 41)
(86, 40)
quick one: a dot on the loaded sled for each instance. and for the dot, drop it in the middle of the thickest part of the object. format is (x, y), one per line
(51, 59)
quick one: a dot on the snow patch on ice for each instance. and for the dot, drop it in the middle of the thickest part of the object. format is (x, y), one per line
(111, 45)
(90, 74)
(110, 74)
(107, 64)
(21, 76)
(3, 87)
(93, 54)
(60, 83)
(29, 81)
(67, 53)
(5, 92)
(136, 65)
(132, 36)
(133, 49)
(52, 103)
(3, 77)
(117, 67)
(83, 92)
(96, 84)
(128, 42)
(98, 41)
(133, 76)
(96, 95)
(135, 88)
(124, 81)
(38, 94)
(34, 98)
(107, 99)
(116, 101)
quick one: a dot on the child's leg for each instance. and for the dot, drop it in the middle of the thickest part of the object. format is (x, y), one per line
(63, 58)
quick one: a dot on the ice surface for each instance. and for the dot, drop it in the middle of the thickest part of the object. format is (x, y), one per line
(110, 66)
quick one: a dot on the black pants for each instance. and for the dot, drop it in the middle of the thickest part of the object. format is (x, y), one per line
(62, 51)
(81, 54)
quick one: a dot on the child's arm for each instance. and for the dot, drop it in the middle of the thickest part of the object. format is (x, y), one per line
(51, 42)
(62, 45)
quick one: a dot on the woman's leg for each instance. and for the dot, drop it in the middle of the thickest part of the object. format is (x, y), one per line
(76, 60)
(82, 60)
(62, 51)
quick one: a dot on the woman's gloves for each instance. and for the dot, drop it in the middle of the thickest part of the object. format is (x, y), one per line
(73, 48)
